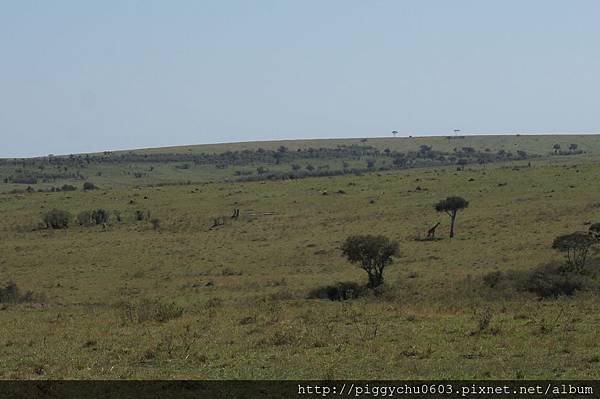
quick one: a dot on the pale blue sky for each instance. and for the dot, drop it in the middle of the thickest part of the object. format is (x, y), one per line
(80, 76)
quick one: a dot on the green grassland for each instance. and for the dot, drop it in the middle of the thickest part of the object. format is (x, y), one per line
(242, 287)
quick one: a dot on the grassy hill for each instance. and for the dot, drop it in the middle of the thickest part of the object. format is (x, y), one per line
(182, 298)
(535, 144)
(281, 160)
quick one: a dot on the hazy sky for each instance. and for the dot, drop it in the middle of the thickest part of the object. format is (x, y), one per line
(81, 76)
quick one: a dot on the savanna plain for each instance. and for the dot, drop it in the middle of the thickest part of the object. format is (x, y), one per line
(225, 261)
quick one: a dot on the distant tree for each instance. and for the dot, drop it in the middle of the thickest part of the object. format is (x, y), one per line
(261, 170)
(295, 166)
(89, 186)
(556, 148)
(310, 167)
(394, 132)
(576, 246)
(451, 206)
(372, 253)
(68, 187)
(573, 147)
(370, 163)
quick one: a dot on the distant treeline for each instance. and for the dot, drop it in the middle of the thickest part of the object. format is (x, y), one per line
(272, 157)
(260, 164)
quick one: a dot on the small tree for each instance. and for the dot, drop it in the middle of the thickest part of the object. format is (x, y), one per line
(576, 246)
(372, 253)
(451, 206)
(88, 185)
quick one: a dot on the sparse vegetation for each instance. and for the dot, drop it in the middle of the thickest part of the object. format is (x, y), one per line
(241, 290)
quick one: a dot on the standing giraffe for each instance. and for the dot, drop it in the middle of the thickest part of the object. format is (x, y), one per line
(431, 231)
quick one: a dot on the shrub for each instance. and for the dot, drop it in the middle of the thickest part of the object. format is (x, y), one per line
(150, 310)
(84, 218)
(546, 281)
(90, 218)
(57, 219)
(100, 216)
(552, 281)
(89, 186)
(493, 279)
(338, 292)
(68, 187)
(11, 294)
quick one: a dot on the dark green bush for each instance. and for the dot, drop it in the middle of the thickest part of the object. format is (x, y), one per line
(100, 216)
(84, 218)
(11, 294)
(68, 187)
(57, 219)
(338, 292)
(546, 281)
(553, 281)
(89, 186)
(90, 218)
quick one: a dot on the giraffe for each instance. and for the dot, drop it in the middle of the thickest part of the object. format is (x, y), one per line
(431, 231)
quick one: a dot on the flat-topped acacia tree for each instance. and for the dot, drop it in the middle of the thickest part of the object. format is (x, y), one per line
(372, 253)
(451, 206)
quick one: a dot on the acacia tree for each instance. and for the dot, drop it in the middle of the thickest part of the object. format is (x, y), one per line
(372, 253)
(576, 246)
(451, 206)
